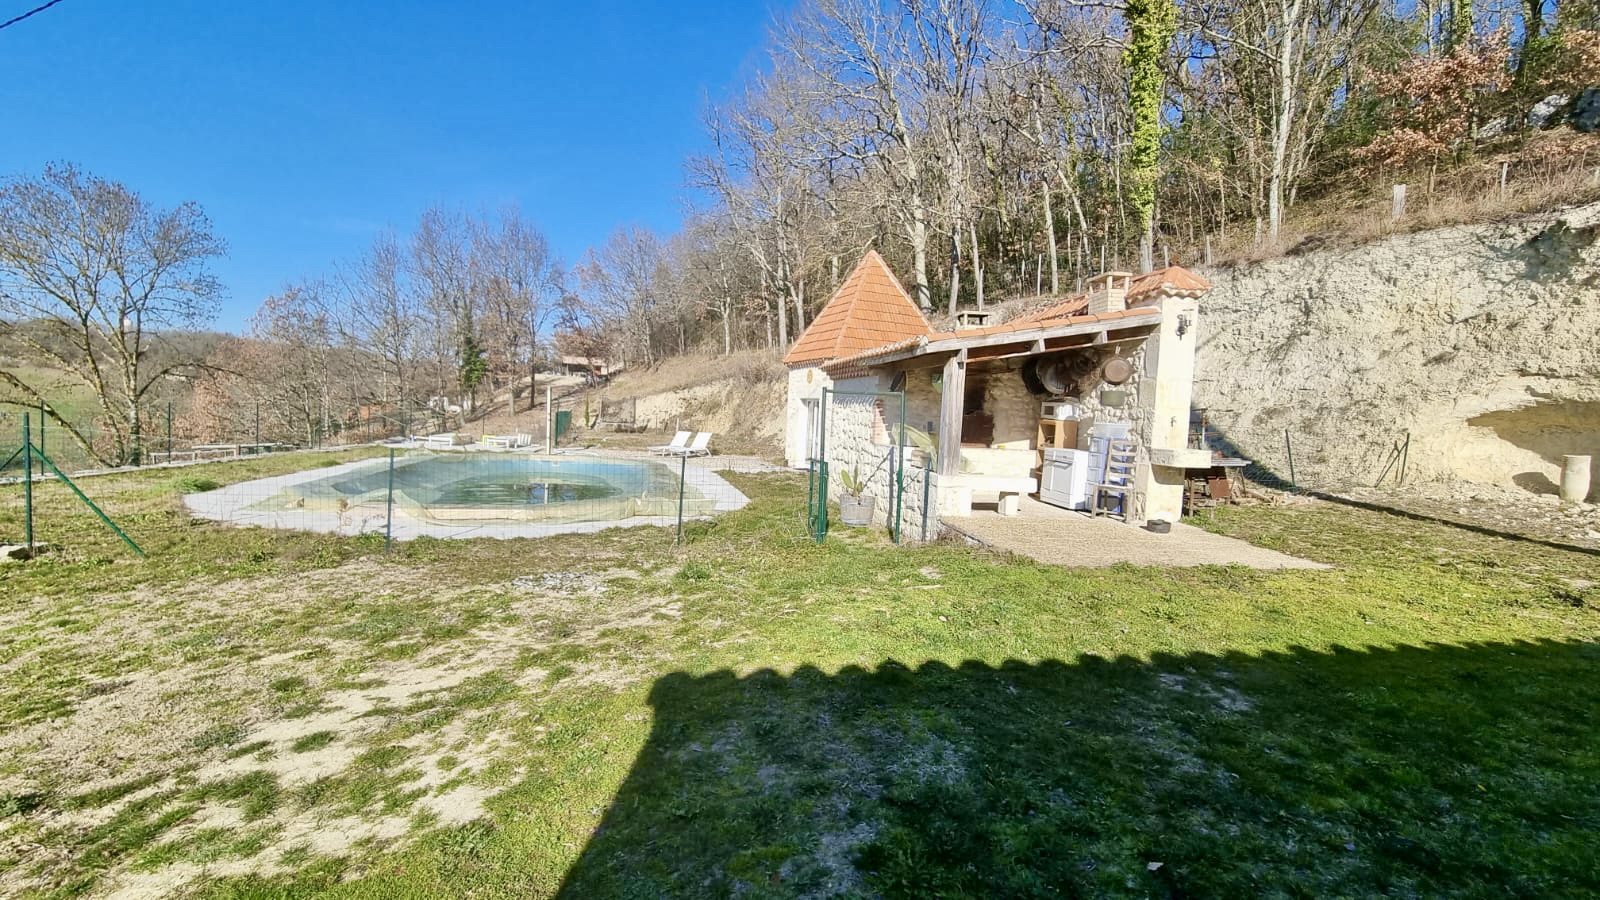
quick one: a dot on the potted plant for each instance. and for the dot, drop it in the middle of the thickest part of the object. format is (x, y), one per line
(855, 506)
(921, 448)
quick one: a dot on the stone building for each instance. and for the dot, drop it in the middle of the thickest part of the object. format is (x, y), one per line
(1122, 352)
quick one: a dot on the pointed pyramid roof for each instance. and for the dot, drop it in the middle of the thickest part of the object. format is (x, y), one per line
(869, 310)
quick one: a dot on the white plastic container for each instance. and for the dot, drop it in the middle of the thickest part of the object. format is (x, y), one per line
(1060, 410)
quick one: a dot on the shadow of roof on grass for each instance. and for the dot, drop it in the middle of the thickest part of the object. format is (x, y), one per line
(1424, 770)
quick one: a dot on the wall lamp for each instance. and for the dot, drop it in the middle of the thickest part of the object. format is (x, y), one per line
(1184, 324)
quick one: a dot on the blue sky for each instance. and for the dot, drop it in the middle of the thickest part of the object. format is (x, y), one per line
(304, 128)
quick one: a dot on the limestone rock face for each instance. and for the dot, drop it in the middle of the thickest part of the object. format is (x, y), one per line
(1482, 342)
(1547, 112)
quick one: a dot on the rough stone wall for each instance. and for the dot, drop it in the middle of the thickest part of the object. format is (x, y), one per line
(922, 400)
(1481, 341)
(1015, 411)
(1138, 393)
(860, 439)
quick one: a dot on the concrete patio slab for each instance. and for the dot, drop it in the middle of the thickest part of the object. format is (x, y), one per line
(1064, 537)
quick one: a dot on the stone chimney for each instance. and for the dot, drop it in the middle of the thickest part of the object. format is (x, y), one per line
(1108, 292)
(972, 318)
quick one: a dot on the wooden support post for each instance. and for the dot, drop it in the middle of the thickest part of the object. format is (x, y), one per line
(952, 403)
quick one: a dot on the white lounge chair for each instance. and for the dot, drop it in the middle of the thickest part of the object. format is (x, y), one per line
(680, 442)
(700, 447)
(447, 440)
(508, 441)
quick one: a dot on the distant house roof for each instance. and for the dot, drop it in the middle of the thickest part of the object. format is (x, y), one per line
(869, 310)
(592, 362)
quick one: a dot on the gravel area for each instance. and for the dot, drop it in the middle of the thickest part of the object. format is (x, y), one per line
(1062, 537)
(1500, 508)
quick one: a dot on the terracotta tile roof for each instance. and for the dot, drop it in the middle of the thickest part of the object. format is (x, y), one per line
(1029, 324)
(870, 310)
(1173, 280)
(863, 359)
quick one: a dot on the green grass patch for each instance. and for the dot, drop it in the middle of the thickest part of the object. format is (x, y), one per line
(256, 793)
(314, 741)
(756, 714)
(110, 793)
(194, 484)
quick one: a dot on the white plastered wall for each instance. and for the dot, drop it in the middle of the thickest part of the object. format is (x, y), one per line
(804, 384)
(1167, 388)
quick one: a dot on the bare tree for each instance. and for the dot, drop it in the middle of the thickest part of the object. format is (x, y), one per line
(380, 312)
(518, 280)
(89, 274)
(440, 264)
(621, 290)
(1284, 62)
(297, 379)
(899, 76)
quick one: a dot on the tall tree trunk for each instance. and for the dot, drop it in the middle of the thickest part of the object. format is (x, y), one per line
(955, 267)
(799, 297)
(919, 253)
(783, 322)
(1050, 240)
(1151, 26)
(783, 307)
(1288, 84)
(977, 262)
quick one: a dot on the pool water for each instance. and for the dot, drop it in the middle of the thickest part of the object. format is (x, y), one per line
(495, 491)
(468, 488)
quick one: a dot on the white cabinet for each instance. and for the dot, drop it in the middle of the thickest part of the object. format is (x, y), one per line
(1064, 478)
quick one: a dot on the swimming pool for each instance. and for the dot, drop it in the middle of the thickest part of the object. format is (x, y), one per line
(461, 494)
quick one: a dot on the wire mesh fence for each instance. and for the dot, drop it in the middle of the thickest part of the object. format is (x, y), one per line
(173, 433)
(873, 465)
(503, 492)
(510, 475)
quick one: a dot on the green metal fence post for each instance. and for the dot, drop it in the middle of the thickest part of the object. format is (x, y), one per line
(388, 518)
(257, 448)
(27, 483)
(811, 495)
(822, 498)
(683, 475)
(45, 461)
(169, 431)
(822, 481)
(900, 470)
(41, 426)
(927, 489)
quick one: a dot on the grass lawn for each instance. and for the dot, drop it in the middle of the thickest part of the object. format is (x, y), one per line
(260, 714)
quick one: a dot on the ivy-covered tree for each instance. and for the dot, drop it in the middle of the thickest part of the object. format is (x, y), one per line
(1151, 26)
(474, 366)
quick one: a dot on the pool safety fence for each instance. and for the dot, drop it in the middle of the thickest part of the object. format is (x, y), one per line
(37, 466)
(417, 491)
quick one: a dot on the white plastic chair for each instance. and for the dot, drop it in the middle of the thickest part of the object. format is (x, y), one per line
(680, 443)
(700, 447)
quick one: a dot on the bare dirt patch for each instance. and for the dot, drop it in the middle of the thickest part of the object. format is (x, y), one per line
(331, 712)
